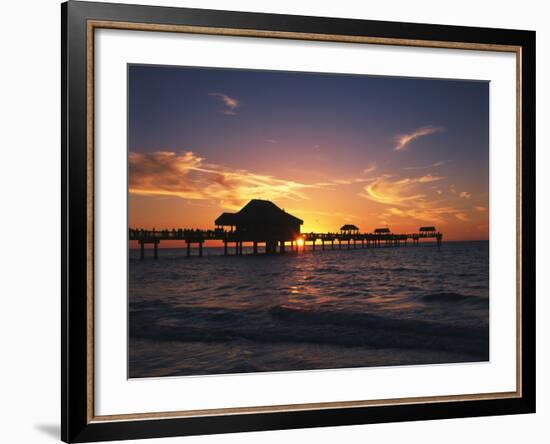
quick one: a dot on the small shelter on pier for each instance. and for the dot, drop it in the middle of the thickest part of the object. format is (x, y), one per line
(226, 220)
(349, 229)
(261, 220)
(382, 231)
(427, 231)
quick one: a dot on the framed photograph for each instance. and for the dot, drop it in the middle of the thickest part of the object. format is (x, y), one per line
(276, 221)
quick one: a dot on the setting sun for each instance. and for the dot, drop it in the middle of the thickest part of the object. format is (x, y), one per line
(300, 242)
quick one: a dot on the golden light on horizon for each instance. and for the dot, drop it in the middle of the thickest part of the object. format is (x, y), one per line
(300, 242)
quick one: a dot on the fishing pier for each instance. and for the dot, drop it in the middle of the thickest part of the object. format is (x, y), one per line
(270, 230)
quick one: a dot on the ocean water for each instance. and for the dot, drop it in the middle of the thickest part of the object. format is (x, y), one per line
(318, 310)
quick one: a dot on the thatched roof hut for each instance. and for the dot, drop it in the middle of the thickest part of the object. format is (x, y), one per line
(262, 220)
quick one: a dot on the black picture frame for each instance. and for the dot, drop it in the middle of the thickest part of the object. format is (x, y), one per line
(76, 423)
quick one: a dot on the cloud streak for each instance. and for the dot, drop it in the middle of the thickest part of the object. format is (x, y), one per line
(403, 140)
(398, 192)
(188, 176)
(408, 198)
(370, 168)
(185, 175)
(230, 104)
(424, 167)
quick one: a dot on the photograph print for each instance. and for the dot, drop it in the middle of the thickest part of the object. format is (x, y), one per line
(290, 221)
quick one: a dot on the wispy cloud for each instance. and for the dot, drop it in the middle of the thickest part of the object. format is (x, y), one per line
(424, 167)
(429, 178)
(230, 104)
(185, 175)
(346, 181)
(461, 194)
(403, 140)
(370, 168)
(408, 198)
(462, 217)
(480, 209)
(400, 192)
(188, 176)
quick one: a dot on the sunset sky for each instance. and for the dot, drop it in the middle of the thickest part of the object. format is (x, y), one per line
(329, 149)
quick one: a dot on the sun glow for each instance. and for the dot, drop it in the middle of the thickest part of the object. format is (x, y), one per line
(300, 242)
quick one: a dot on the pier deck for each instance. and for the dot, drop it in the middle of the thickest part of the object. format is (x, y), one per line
(301, 243)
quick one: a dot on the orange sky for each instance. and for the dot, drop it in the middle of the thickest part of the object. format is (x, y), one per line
(371, 151)
(190, 193)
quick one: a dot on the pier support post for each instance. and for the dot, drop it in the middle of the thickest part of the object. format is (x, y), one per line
(354, 243)
(156, 249)
(282, 247)
(200, 248)
(141, 250)
(313, 244)
(255, 247)
(323, 244)
(292, 245)
(237, 248)
(349, 244)
(225, 248)
(332, 244)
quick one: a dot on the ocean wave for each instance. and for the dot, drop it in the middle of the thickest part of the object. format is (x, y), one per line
(287, 324)
(446, 297)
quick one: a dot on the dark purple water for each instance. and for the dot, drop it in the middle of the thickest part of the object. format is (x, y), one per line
(331, 309)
